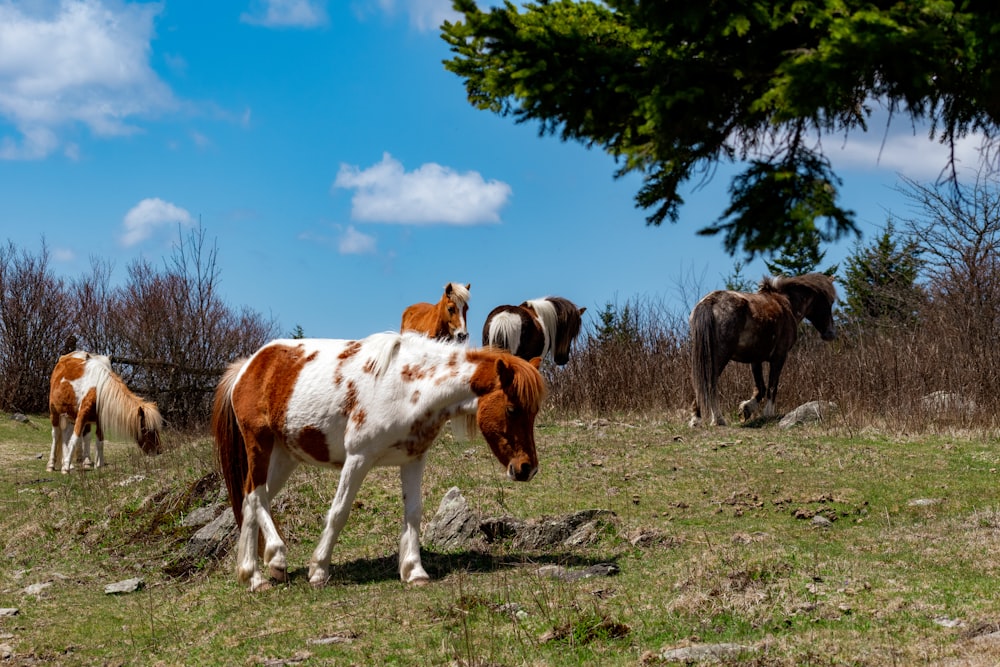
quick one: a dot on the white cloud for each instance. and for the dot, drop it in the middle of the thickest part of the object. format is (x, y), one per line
(430, 195)
(76, 61)
(286, 13)
(150, 214)
(63, 254)
(353, 242)
(912, 153)
(425, 15)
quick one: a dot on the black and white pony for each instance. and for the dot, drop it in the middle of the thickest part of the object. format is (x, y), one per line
(543, 327)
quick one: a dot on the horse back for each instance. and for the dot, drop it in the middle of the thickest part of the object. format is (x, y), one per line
(418, 317)
(749, 327)
(73, 385)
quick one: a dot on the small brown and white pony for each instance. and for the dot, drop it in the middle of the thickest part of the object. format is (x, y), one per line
(543, 327)
(351, 405)
(85, 392)
(444, 320)
(753, 329)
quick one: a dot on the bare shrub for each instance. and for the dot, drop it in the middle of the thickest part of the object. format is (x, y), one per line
(34, 326)
(633, 360)
(168, 331)
(175, 334)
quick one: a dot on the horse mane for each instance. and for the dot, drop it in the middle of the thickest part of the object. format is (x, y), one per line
(384, 346)
(528, 384)
(819, 283)
(459, 294)
(568, 317)
(119, 408)
(548, 317)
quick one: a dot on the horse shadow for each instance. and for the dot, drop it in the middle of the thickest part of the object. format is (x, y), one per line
(761, 422)
(440, 565)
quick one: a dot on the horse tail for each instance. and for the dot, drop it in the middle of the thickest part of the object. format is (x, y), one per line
(230, 448)
(502, 331)
(704, 344)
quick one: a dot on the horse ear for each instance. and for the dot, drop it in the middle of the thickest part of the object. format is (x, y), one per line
(448, 289)
(536, 362)
(583, 310)
(468, 285)
(505, 372)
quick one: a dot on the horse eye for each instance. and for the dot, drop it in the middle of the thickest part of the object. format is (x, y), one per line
(511, 409)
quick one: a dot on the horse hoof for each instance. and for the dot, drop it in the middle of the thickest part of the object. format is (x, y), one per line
(261, 587)
(419, 581)
(278, 573)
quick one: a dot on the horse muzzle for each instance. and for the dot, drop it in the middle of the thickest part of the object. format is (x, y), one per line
(521, 472)
(829, 334)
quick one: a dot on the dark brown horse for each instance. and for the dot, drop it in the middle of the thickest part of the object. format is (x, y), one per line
(543, 327)
(753, 329)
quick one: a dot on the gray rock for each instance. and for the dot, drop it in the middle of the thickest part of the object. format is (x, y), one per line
(812, 411)
(201, 516)
(575, 574)
(454, 526)
(216, 530)
(126, 586)
(705, 653)
(940, 402)
(37, 589)
(559, 530)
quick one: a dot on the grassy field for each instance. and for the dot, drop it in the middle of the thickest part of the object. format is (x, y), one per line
(815, 546)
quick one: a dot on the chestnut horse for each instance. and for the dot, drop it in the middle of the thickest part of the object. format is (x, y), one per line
(351, 405)
(84, 391)
(444, 320)
(543, 327)
(753, 329)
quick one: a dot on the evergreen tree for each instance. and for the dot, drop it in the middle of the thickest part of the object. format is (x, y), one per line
(880, 281)
(673, 90)
(799, 256)
(737, 281)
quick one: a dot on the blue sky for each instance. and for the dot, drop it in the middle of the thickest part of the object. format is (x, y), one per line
(338, 167)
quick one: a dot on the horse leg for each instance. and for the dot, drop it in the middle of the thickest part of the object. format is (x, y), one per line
(246, 551)
(83, 454)
(57, 444)
(98, 446)
(411, 570)
(351, 475)
(715, 413)
(774, 372)
(69, 451)
(749, 407)
(275, 551)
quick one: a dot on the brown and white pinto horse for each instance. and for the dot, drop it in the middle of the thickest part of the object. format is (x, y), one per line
(543, 327)
(753, 329)
(352, 405)
(444, 320)
(84, 391)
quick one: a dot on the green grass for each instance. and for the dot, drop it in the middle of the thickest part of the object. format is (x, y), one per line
(729, 553)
